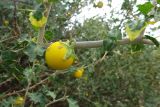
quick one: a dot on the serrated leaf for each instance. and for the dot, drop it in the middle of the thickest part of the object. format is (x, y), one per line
(7, 102)
(72, 103)
(154, 40)
(48, 35)
(29, 74)
(35, 97)
(51, 94)
(145, 8)
(39, 50)
(33, 50)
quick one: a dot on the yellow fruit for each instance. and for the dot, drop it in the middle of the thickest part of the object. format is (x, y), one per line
(68, 14)
(100, 4)
(19, 101)
(78, 73)
(6, 22)
(55, 56)
(37, 23)
(86, 94)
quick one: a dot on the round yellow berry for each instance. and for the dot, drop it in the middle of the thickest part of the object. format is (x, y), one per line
(79, 73)
(19, 101)
(55, 56)
(100, 4)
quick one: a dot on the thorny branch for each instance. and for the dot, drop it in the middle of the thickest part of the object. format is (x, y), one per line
(31, 87)
(16, 29)
(57, 100)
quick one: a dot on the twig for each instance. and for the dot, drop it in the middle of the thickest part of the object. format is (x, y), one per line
(27, 89)
(98, 61)
(15, 13)
(54, 101)
(9, 79)
(101, 59)
(42, 29)
(7, 39)
(16, 29)
(20, 91)
(99, 43)
(30, 88)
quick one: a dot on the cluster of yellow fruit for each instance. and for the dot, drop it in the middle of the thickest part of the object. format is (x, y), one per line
(37, 23)
(55, 57)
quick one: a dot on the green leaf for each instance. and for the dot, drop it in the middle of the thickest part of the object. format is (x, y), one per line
(154, 40)
(51, 94)
(38, 15)
(158, 1)
(137, 47)
(29, 74)
(145, 8)
(8, 56)
(72, 103)
(33, 50)
(36, 97)
(48, 35)
(7, 102)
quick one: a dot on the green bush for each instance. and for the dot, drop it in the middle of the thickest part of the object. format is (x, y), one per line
(123, 76)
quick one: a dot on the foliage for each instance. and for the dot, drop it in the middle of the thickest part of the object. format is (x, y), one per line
(145, 8)
(114, 75)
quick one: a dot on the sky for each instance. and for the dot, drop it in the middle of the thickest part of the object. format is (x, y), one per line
(89, 12)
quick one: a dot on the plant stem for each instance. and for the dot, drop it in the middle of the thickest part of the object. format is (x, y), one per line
(99, 43)
(42, 29)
